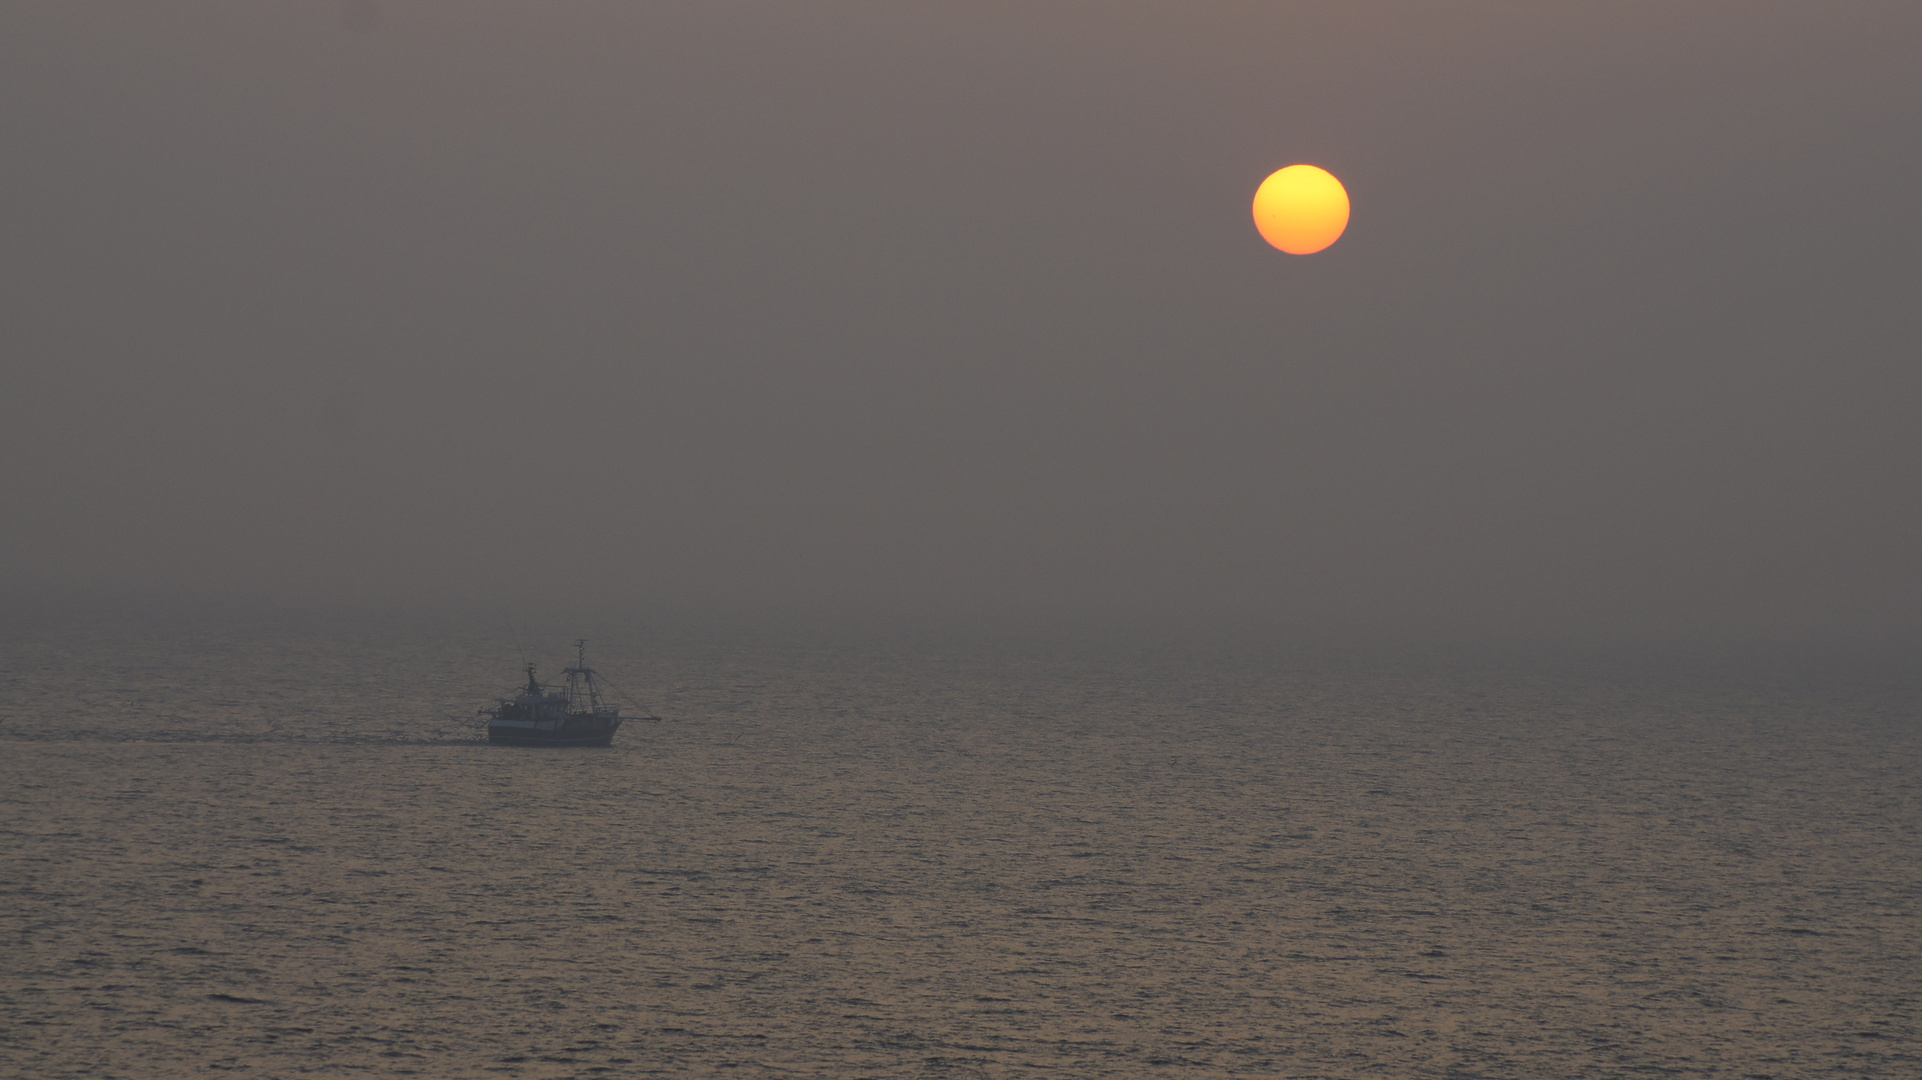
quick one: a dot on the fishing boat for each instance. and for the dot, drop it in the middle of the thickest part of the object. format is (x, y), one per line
(542, 715)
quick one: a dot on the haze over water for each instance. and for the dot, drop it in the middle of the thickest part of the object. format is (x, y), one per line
(277, 847)
(917, 311)
(726, 317)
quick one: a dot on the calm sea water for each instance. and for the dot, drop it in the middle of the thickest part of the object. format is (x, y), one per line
(280, 850)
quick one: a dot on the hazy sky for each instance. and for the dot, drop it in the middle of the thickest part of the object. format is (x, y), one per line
(945, 309)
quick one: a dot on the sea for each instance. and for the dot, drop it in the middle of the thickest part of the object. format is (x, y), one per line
(279, 846)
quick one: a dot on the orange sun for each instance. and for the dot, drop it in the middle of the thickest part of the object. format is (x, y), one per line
(1301, 209)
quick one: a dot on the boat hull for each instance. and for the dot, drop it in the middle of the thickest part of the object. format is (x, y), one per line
(577, 731)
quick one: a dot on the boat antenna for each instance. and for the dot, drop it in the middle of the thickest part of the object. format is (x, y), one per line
(511, 632)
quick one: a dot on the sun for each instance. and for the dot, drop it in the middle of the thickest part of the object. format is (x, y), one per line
(1301, 209)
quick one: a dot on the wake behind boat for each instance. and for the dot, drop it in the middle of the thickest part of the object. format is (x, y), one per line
(543, 716)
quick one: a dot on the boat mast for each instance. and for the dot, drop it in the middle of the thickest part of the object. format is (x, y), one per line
(577, 675)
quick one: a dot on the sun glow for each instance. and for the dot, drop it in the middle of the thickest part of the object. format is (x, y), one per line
(1301, 209)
